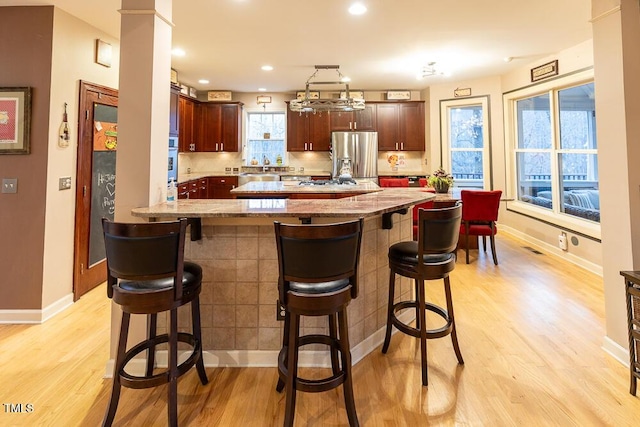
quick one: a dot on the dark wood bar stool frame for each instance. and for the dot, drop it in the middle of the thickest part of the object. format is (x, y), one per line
(632, 286)
(432, 257)
(145, 264)
(318, 267)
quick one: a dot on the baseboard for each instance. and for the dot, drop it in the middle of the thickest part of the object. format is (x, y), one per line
(36, 316)
(263, 358)
(617, 351)
(552, 250)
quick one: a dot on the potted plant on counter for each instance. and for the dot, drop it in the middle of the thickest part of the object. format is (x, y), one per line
(440, 180)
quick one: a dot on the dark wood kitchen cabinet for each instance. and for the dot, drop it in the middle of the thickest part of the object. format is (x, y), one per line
(221, 126)
(308, 131)
(355, 120)
(220, 187)
(400, 126)
(183, 190)
(174, 111)
(188, 125)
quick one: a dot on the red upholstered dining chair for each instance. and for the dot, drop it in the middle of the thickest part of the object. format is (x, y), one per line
(416, 209)
(479, 216)
(393, 182)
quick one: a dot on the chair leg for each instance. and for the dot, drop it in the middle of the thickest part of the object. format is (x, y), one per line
(493, 249)
(197, 333)
(454, 334)
(422, 321)
(116, 387)
(285, 346)
(333, 333)
(172, 402)
(466, 229)
(151, 334)
(292, 370)
(417, 283)
(484, 243)
(387, 335)
(349, 401)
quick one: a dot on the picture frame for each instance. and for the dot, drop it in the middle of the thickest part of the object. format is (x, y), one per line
(219, 96)
(15, 120)
(313, 94)
(544, 71)
(263, 99)
(104, 53)
(355, 94)
(399, 95)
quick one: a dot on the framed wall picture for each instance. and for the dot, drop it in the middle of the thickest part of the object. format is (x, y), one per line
(103, 53)
(399, 95)
(218, 96)
(545, 70)
(15, 120)
(355, 94)
(312, 94)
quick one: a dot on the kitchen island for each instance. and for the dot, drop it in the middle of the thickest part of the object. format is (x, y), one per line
(237, 252)
(304, 190)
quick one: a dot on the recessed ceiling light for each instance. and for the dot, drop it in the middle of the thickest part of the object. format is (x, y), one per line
(507, 59)
(203, 81)
(267, 67)
(178, 52)
(262, 89)
(357, 9)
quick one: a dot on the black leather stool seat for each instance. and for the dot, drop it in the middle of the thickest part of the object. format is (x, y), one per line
(407, 252)
(191, 277)
(318, 288)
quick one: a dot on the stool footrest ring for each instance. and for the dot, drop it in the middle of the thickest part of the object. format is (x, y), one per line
(415, 332)
(138, 382)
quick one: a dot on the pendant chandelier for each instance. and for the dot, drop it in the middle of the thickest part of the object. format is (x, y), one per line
(307, 103)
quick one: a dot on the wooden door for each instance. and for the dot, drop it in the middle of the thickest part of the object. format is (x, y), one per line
(297, 130)
(387, 127)
(411, 125)
(211, 127)
(95, 183)
(230, 116)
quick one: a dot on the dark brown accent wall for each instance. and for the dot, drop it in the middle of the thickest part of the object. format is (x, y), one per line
(26, 35)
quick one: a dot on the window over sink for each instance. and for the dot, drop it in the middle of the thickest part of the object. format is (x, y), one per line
(265, 139)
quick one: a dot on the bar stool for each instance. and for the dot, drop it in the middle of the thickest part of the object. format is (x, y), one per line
(432, 257)
(318, 277)
(145, 262)
(632, 286)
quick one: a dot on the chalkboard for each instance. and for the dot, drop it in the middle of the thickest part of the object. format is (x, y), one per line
(103, 190)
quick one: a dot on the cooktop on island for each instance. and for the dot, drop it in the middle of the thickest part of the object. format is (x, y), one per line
(343, 181)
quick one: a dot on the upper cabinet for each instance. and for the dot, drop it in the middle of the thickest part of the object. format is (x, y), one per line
(188, 124)
(308, 131)
(355, 120)
(401, 126)
(221, 126)
(174, 115)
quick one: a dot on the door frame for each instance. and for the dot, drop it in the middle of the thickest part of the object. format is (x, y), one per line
(86, 277)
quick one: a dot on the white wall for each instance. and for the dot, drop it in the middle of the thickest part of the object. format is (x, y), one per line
(73, 60)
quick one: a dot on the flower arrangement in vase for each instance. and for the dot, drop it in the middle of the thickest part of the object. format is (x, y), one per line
(440, 180)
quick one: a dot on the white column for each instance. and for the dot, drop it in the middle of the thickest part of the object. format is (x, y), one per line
(616, 34)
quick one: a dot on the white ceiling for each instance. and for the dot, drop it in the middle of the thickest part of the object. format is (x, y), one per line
(227, 41)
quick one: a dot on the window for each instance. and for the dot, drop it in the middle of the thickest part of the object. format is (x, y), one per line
(465, 141)
(551, 129)
(265, 138)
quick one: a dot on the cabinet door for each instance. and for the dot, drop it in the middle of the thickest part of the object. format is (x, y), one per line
(203, 188)
(194, 191)
(230, 116)
(183, 191)
(387, 127)
(211, 127)
(319, 132)
(411, 122)
(342, 120)
(365, 119)
(220, 187)
(297, 130)
(174, 116)
(186, 125)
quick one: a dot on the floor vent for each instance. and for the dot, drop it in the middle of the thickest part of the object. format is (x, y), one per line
(533, 250)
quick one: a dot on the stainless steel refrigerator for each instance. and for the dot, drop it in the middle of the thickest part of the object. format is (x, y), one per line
(361, 148)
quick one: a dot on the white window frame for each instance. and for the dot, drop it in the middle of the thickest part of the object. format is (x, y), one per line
(445, 106)
(554, 215)
(245, 131)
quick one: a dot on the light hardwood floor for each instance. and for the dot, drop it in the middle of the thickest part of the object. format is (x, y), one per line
(530, 331)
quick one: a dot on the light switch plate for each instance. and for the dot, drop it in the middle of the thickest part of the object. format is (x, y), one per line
(9, 185)
(64, 183)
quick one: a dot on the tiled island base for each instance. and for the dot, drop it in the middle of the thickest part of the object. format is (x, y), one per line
(240, 291)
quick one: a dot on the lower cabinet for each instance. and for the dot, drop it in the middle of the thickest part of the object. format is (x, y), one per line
(220, 187)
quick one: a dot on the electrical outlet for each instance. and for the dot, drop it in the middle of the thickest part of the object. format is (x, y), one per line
(279, 311)
(64, 183)
(562, 241)
(9, 185)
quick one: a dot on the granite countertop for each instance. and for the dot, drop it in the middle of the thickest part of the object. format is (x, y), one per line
(289, 187)
(184, 177)
(365, 205)
(403, 173)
